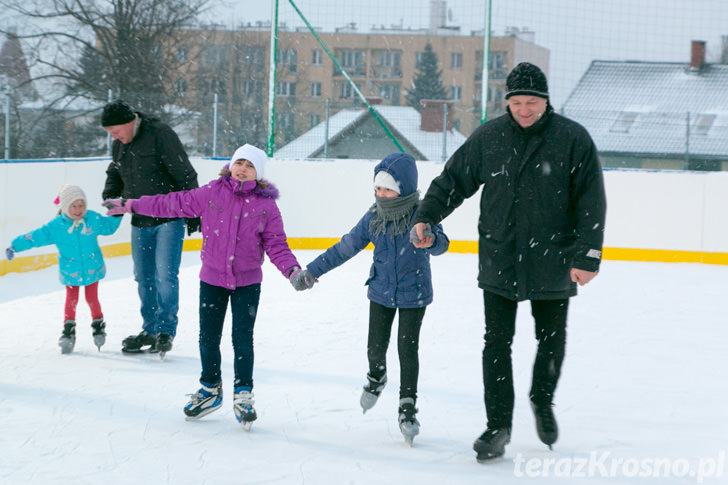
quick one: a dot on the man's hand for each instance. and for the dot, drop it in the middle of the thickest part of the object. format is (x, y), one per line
(421, 236)
(581, 276)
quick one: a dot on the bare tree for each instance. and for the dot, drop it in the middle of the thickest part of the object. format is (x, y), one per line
(88, 48)
(126, 46)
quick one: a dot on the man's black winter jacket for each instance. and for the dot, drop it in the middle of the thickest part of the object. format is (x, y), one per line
(542, 209)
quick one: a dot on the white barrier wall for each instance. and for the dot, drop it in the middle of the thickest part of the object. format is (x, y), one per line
(649, 210)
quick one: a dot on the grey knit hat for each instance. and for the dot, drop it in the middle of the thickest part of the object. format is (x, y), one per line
(527, 79)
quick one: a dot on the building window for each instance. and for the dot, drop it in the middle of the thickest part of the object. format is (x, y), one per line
(286, 89)
(703, 123)
(456, 60)
(419, 57)
(496, 96)
(497, 65)
(456, 93)
(390, 58)
(315, 90)
(215, 55)
(254, 56)
(352, 61)
(313, 120)
(181, 86)
(624, 122)
(288, 57)
(182, 54)
(252, 87)
(347, 91)
(390, 92)
(317, 57)
(216, 86)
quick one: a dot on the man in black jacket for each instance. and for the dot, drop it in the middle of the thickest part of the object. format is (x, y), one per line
(148, 159)
(541, 227)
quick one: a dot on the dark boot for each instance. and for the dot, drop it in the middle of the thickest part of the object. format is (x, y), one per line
(492, 443)
(548, 431)
(134, 343)
(68, 338)
(163, 343)
(99, 332)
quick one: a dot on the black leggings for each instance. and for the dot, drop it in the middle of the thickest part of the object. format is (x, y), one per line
(408, 343)
(500, 326)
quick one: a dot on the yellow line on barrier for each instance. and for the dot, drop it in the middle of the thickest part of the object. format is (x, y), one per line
(24, 264)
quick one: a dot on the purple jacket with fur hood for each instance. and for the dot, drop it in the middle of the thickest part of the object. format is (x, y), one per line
(240, 222)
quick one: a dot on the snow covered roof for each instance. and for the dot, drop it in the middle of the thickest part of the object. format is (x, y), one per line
(644, 107)
(403, 119)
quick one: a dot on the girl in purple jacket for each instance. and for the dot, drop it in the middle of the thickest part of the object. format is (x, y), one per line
(240, 223)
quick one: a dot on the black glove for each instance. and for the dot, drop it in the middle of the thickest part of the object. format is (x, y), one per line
(10, 253)
(193, 225)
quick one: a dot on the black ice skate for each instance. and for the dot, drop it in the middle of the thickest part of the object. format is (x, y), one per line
(492, 443)
(68, 338)
(163, 344)
(99, 332)
(134, 344)
(548, 430)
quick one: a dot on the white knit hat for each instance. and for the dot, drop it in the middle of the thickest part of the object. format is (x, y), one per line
(253, 154)
(68, 195)
(385, 180)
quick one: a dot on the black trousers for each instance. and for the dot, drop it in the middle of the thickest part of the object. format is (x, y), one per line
(408, 344)
(500, 326)
(213, 306)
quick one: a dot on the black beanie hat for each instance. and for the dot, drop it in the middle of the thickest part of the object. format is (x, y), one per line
(117, 113)
(527, 79)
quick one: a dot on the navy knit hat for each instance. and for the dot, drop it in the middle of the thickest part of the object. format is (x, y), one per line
(117, 113)
(403, 171)
(527, 79)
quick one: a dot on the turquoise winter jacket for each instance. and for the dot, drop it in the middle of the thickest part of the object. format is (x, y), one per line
(80, 262)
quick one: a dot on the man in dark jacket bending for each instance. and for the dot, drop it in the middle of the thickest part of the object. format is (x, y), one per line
(541, 227)
(148, 159)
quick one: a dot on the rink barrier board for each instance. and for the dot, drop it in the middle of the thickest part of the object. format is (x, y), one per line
(22, 264)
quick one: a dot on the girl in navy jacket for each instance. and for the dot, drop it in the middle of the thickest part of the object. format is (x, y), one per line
(399, 279)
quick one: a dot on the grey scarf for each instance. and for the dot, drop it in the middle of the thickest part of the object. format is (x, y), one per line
(396, 212)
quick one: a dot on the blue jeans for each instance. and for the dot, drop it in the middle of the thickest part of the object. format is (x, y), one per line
(157, 253)
(213, 306)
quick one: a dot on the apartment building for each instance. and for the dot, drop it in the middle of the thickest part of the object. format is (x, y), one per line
(381, 63)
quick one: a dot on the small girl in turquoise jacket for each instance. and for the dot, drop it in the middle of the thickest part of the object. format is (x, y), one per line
(74, 231)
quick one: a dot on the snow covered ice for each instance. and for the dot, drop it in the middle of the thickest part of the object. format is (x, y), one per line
(643, 380)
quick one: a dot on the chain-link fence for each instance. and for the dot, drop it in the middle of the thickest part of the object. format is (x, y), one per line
(349, 78)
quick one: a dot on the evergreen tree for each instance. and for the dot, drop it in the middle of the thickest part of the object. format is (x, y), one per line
(427, 83)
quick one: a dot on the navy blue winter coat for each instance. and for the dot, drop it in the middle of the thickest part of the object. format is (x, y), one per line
(400, 275)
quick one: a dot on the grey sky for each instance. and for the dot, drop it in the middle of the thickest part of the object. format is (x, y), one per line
(575, 31)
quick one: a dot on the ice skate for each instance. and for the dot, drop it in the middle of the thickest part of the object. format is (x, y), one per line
(134, 344)
(243, 407)
(206, 400)
(163, 344)
(492, 443)
(408, 424)
(371, 392)
(99, 332)
(546, 427)
(68, 338)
